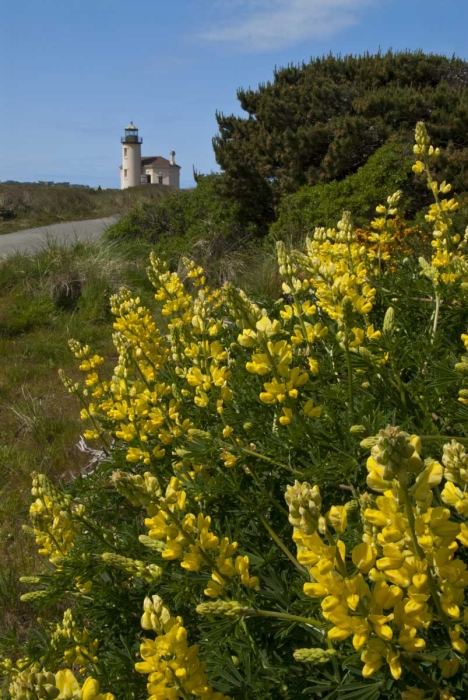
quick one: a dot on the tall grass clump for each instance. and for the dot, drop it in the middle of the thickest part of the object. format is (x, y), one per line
(278, 504)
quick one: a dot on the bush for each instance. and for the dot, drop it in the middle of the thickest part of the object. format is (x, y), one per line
(197, 214)
(199, 222)
(387, 170)
(231, 432)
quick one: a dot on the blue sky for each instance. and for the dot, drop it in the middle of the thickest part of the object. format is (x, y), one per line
(74, 73)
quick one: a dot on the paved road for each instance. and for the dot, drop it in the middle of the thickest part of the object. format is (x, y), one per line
(33, 239)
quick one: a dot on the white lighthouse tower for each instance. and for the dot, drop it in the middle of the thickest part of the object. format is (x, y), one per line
(130, 171)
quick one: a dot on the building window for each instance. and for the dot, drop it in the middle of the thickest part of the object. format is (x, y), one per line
(125, 152)
(125, 173)
(160, 179)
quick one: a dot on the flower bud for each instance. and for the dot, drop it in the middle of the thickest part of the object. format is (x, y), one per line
(314, 656)
(388, 320)
(369, 442)
(455, 461)
(230, 608)
(32, 595)
(304, 502)
(395, 452)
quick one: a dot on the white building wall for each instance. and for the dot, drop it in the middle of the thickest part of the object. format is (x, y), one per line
(131, 165)
(174, 176)
(170, 175)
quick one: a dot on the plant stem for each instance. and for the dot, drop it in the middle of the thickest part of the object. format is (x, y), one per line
(338, 557)
(350, 376)
(416, 671)
(267, 495)
(95, 425)
(286, 616)
(398, 381)
(259, 455)
(436, 315)
(90, 525)
(281, 545)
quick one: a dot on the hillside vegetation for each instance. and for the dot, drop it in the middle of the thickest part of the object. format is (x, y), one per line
(279, 508)
(27, 206)
(272, 500)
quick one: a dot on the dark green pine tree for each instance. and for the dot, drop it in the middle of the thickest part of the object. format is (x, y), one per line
(321, 121)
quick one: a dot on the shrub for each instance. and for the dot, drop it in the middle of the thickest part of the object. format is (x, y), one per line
(388, 169)
(187, 215)
(230, 431)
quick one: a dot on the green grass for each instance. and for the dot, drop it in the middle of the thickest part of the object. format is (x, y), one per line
(39, 419)
(27, 206)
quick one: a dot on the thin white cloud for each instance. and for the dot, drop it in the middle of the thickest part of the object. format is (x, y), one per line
(265, 25)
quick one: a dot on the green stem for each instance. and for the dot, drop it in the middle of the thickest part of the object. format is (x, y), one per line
(89, 524)
(270, 531)
(281, 545)
(316, 624)
(444, 437)
(338, 557)
(263, 457)
(54, 541)
(416, 671)
(350, 376)
(398, 381)
(96, 426)
(436, 315)
(180, 690)
(300, 316)
(267, 495)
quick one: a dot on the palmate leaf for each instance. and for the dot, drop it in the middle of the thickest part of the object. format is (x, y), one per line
(349, 691)
(361, 691)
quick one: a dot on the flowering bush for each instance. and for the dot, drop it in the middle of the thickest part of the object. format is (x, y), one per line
(257, 526)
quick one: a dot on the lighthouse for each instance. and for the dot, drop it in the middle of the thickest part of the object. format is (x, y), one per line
(130, 173)
(147, 170)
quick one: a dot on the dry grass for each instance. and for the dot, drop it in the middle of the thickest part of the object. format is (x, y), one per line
(27, 206)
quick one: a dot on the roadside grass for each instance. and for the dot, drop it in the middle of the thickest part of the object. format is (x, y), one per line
(27, 206)
(45, 299)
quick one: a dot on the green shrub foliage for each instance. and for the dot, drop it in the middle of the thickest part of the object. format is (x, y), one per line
(388, 169)
(322, 120)
(185, 218)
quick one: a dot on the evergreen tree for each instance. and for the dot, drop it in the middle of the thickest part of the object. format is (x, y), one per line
(321, 121)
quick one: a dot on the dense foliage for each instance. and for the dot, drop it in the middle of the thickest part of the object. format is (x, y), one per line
(186, 218)
(388, 169)
(256, 525)
(321, 121)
